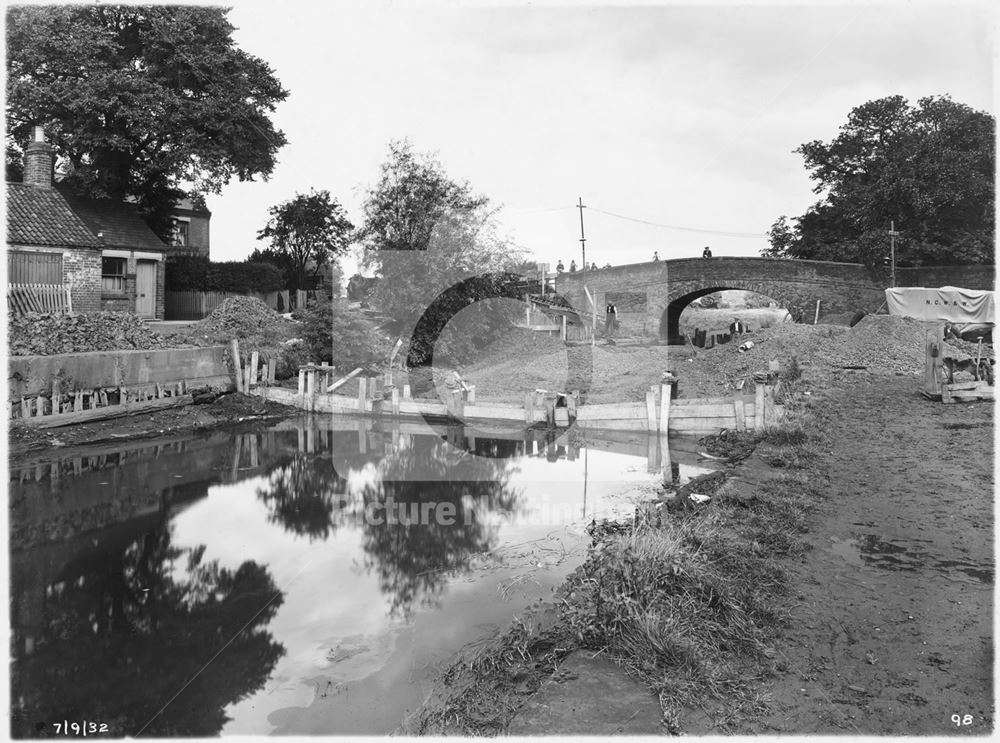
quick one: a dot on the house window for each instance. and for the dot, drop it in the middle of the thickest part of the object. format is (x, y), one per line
(181, 229)
(113, 275)
(24, 267)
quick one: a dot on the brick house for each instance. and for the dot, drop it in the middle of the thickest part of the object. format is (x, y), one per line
(100, 249)
(191, 228)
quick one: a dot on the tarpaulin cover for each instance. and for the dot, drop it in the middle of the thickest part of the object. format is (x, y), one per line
(945, 304)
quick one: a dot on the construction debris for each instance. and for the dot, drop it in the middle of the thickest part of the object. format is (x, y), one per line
(45, 335)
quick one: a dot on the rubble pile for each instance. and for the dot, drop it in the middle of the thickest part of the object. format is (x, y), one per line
(34, 334)
(241, 317)
(887, 343)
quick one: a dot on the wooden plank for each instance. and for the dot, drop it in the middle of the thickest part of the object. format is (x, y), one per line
(394, 398)
(113, 411)
(759, 408)
(494, 412)
(272, 365)
(612, 411)
(340, 382)
(310, 399)
(78, 401)
(651, 410)
(741, 420)
(302, 389)
(407, 394)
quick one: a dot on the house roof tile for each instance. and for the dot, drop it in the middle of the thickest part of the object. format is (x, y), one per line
(42, 216)
(118, 222)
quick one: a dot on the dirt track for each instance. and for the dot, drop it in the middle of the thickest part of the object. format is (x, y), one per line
(892, 634)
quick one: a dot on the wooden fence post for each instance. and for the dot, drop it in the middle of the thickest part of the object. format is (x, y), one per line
(758, 408)
(741, 422)
(664, 424)
(271, 366)
(650, 410)
(311, 389)
(234, 347)
(769, 412)
(362, 393)
(254, 361)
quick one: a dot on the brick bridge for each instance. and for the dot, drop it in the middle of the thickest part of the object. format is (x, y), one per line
(651, 296)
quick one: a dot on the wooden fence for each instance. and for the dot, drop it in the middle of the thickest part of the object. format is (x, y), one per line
(44, 298)
(198, 305)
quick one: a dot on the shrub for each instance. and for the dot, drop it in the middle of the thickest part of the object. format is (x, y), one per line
(344, 337)
(196, 273)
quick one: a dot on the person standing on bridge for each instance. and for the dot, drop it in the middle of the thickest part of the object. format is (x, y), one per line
(572, 266)
(656, 255)
(610, 318)
(560, 267)
(707, 252)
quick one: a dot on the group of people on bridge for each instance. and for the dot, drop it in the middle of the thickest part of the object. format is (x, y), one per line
(560, 268)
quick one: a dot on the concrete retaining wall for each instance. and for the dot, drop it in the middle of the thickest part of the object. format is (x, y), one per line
(198, 367)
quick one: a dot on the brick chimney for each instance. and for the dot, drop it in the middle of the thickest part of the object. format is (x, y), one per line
(39, 160)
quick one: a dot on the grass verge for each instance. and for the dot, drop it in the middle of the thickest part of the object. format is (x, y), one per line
(688, 603)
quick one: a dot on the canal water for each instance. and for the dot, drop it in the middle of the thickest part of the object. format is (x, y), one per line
(306, 577)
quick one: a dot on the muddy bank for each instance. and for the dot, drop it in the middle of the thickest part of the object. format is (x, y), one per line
(892, 629)
(881, 582)
(223, 410)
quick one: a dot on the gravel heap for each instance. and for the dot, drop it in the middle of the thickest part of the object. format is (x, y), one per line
(882, 344)
(886, 343)
(241, 317)
(45, 335)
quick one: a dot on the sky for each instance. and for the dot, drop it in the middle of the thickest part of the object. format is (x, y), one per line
(678, 115)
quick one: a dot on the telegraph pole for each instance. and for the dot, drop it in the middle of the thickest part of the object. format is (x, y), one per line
(583, 248)
(892, 251)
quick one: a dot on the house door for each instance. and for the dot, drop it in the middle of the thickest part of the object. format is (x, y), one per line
(145, 288)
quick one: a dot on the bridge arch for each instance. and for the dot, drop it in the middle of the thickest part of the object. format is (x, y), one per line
(677, 301)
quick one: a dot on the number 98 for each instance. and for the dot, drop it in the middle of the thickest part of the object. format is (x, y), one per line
(960, 720)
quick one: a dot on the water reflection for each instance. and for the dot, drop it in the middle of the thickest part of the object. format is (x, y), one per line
(168, 588)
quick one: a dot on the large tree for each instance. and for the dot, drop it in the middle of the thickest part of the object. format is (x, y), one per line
(140, 101)
(929, 168)
(306, 232)
(430, 238)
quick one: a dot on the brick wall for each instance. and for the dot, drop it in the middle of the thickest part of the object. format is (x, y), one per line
(198, 235)
(82, 273)
(126, 302)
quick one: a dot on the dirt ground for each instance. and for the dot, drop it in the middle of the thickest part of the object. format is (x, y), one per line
(892, 634)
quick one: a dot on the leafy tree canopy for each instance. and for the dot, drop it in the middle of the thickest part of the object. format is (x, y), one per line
(427, 234)
(929, 168)
(140, 100)
(307, 231)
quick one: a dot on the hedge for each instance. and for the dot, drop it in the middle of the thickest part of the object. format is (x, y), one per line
(196, 273)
